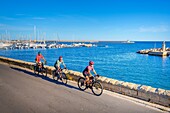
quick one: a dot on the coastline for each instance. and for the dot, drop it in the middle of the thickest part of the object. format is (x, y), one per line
(143, 92)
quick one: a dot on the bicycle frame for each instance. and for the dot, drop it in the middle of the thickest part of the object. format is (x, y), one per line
(93, 78)
(59, 72)
(40, 65)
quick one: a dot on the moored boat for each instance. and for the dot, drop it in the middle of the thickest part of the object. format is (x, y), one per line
(128, 42)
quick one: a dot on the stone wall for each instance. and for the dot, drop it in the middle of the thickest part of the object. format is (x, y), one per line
(147, 93)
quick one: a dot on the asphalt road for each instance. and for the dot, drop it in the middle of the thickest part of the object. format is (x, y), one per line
(23, 92)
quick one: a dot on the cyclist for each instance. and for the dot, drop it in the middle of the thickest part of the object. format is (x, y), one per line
(58, 63)
(87, 71)
(38, 59)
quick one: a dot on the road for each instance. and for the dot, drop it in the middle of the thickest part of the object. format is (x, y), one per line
(23, 92)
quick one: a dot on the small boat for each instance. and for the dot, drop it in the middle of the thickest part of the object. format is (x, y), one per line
(4, 45)
(128, 42)
(53, 45)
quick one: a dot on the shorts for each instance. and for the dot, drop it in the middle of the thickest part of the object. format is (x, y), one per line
(56, 68)
(39, 63)
(86, 75)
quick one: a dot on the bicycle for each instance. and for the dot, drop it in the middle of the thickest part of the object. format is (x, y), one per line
(94, 85)
(39, 68)
(60, 76)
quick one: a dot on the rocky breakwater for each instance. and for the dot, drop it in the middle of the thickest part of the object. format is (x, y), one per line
(156, 51)
(146, 51)
(147, 93)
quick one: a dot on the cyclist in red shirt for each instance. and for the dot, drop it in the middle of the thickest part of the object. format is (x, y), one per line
(38, 59)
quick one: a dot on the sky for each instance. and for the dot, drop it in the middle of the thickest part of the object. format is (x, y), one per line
(110, 20)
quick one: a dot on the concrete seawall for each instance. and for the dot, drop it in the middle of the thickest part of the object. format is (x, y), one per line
(147, 93)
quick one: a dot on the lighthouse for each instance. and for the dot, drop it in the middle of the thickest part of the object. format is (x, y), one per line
(163, 46)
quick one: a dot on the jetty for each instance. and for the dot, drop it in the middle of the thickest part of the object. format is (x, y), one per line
(156, 51)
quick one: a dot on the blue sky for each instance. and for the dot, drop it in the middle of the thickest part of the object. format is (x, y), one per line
(86, 19)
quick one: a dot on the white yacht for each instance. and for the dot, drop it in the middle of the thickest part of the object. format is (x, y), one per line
(128, 42)
(4, 45)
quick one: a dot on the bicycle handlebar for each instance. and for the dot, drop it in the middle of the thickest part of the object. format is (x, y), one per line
(45, 62)
(64, 69)
(97, 75)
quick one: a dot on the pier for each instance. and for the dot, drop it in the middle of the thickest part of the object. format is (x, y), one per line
(156, 51)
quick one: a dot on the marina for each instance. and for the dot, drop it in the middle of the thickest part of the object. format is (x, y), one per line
(40, 45)
(36, 40)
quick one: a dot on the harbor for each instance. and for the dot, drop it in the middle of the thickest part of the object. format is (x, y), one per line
(156, 51)
(41, 45)
(37, 40)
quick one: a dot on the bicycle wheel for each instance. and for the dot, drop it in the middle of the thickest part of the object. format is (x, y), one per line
(45, 71)
(81, 84)
(53, 74)
(97, 88)
(64, 78)
(35, 70)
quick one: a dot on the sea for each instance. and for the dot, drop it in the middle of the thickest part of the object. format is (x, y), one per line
(114, 60)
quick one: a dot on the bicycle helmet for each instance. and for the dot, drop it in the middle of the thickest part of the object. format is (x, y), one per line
(60, 57)
(91, 63)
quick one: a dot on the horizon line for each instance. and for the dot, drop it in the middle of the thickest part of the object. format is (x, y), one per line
(95, 40)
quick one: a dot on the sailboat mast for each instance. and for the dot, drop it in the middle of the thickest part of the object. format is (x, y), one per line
(44, 36)
(35, 35)
(58, 37)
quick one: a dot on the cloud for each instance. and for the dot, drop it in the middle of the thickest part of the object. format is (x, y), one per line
(153, 29)
(2, 25)
(15, 28)
(6, 18)
(38, 18)
(20, 14)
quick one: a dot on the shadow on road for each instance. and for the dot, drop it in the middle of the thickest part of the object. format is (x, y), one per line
(45, 78)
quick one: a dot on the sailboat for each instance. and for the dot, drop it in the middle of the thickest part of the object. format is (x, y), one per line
(6, 44)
